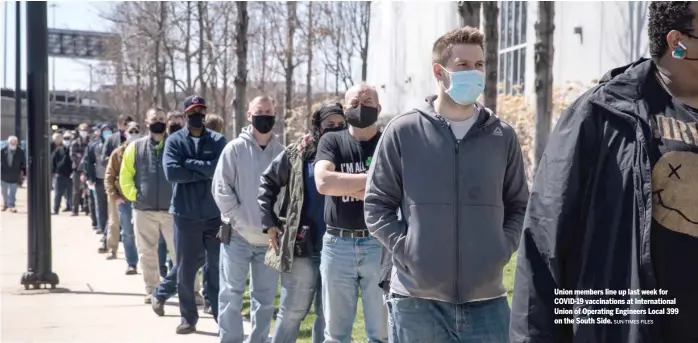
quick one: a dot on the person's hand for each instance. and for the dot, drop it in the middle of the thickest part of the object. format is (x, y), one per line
(273, 234)
(82, 177)
(359, 195)
(120, 200)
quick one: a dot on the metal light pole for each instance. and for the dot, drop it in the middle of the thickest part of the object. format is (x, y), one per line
(53, 59)
(40, 260)
(18, 71)
(4, 46)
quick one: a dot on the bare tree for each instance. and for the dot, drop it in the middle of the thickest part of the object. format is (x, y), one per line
(309, 52)
(490, 11)
(242, 24)
(544, 51)
(469, 12)
(201, 8)
(359, 28)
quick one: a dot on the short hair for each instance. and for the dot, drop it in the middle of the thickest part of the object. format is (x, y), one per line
(261, 98)
(83, 127)
(12, 138)
(359, 88)
(441, 51)
(124, 118)
(153, 110)
(214, 122)
(174, 115)
(663, 17)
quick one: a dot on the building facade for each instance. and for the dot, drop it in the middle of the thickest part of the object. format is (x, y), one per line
(590, 38)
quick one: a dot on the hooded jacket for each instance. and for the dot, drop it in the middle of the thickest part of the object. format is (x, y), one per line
(588, 222)
(461, 216)
(236, 184)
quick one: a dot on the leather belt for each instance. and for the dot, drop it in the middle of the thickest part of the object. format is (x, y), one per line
(345, 233)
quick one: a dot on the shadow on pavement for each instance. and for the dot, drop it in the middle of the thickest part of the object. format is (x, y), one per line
(206, 333)
(61, 290)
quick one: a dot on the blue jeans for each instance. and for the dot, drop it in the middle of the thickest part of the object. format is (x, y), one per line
(237, 259)
(9, 192)
(298, 289)
(92, 204)
(63, 188)
(347, 265)
(101, 207)
(162, 256)
(421, 320)
(128, 237)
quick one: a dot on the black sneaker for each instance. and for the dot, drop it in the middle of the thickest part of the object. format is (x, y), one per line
(207, 307)
(158, 306)
(4, 208)
(103, 249)
(185, 328)
(131, 270)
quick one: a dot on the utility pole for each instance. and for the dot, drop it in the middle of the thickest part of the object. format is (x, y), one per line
(40, 270)
(18, 70)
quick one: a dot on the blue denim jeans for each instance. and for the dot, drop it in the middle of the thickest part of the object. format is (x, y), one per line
(128, 237)
(347, 265)
(421, 320)
(298, 290)
(162, 256)
(9, 192)
(92, 204)
(236, 260)
(101, 206)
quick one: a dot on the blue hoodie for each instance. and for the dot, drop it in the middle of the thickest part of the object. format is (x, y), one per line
(189, 167)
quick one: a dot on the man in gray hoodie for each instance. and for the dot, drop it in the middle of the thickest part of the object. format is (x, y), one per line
(456, 173)
(243, 243)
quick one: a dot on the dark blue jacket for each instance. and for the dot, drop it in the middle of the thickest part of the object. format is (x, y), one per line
(190, 170)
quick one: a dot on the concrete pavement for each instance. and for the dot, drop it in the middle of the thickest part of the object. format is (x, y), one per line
(94, 302)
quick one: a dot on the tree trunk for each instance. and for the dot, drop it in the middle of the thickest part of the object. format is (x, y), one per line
(225, 72)
(490, 11)
(187, 51)
(241, 78)
(160, 58)
(469, 12)
(366, 28)
(201, 6)
(309, 52)
(265, 54)
(291, 23)
(544, 76)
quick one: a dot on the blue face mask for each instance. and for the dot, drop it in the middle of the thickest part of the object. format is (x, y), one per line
(466, 86)
(106, 134)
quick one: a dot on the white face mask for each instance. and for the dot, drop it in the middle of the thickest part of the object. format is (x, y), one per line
(83, 134)
(133, 136)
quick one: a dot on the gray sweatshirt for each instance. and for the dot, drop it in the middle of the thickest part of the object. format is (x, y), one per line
(462, 213)
(236, 183)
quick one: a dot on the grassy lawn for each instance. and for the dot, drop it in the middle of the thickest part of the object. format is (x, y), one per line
(358, 334)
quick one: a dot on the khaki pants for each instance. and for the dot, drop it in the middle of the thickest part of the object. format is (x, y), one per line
(113, 228)
(148, 225)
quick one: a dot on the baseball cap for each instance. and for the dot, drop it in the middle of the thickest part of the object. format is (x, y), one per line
(193, 101)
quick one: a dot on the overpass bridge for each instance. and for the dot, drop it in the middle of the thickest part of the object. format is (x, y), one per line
(66, 109)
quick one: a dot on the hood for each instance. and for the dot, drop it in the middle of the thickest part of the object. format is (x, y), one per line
(246, 134)
(622, 89)
(485, 115)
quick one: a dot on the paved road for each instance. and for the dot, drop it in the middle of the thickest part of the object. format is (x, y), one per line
(94, 302)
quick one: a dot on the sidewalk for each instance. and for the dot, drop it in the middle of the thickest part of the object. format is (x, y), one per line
(94, 302)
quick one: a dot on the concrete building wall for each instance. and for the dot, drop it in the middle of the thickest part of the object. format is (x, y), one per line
(590, 38)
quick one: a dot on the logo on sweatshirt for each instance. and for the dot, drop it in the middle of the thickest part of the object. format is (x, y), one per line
(497, 132)
(368, 161)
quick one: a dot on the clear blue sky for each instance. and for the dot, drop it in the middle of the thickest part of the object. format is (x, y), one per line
(75, 15)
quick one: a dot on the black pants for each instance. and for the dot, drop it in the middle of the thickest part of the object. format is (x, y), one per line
(77, 191)
(63, 189)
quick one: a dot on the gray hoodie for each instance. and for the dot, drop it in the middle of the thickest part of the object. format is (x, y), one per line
(236, 183)
(462, 213)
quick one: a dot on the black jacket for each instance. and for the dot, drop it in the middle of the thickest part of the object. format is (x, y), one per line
(588, 220)
(10, 173)
(61, 163)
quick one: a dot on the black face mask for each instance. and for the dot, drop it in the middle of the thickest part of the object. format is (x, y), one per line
(174, 128)
(361, 116)
(157, 128)
(196, 120)
(334, 129)
(262, 123)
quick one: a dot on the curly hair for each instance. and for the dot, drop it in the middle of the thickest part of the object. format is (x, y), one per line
(663, 17)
